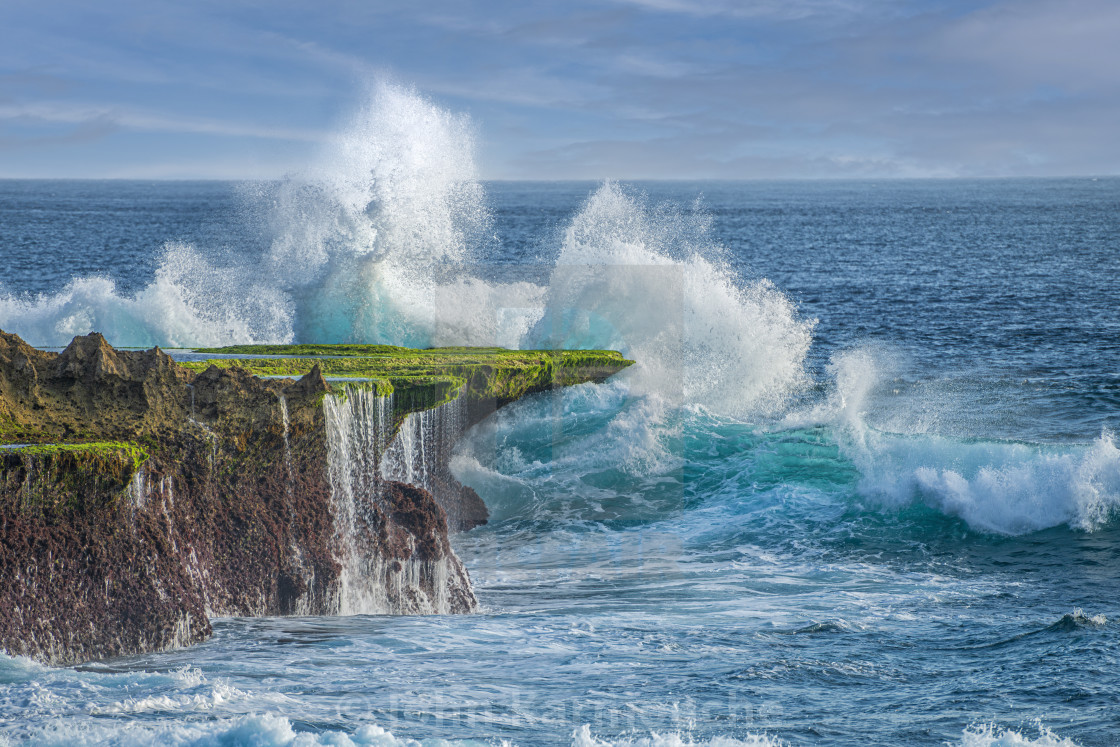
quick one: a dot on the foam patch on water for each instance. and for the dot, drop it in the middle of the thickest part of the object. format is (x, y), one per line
(990, 735)
(209, 698)
(61, 706)
(265, 730)
(269, 730)
(583, 738)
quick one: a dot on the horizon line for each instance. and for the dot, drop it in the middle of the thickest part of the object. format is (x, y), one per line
(578, 180)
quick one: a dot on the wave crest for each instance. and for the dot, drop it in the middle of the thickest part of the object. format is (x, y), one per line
(990, 735)
(649, 281)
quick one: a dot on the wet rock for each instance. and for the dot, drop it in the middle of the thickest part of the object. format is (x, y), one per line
(229, 512)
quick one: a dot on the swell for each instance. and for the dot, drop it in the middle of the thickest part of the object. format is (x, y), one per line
(608, 457)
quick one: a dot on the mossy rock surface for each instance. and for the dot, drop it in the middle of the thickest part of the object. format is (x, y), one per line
(91, 451)
(51, 478)
(422, 379)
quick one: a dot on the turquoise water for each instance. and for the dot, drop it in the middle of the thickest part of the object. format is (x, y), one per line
(862, 487)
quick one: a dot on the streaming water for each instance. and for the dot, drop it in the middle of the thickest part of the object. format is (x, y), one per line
(359, 437)
(422, 450)
(860, 487)
(287, 443)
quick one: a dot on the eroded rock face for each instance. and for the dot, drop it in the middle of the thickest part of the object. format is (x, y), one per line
(230, 514)
(83, 574)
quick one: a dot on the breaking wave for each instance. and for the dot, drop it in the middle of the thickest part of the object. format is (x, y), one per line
(995, 486)
(647, 280)
(366, 247)
(385, 239)
(990, 735)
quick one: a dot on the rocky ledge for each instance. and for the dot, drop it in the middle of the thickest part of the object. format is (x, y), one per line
(139, 497)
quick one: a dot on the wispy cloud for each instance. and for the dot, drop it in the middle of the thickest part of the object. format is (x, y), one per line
(106, 120)
(772, 9)
(83, 132)
(584, 89)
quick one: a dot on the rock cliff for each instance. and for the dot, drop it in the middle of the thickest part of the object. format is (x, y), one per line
(140, 497)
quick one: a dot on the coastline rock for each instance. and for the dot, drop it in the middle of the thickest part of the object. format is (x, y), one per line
(149, 496)
(229, 512)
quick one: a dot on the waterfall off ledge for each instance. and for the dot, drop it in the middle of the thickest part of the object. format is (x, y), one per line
(424, 576)
(149, 495)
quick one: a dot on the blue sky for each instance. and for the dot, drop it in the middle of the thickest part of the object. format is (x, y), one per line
(623, 89)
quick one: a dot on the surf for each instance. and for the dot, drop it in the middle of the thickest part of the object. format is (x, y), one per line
(386, 237)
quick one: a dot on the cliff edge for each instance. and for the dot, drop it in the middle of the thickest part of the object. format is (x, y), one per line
(139, 497)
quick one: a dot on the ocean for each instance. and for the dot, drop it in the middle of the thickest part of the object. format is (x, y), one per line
(862, 486)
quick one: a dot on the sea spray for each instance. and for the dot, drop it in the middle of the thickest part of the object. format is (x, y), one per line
(368, 239)
(189, 302)
(365, 246)
(649, 281)
(379, 240)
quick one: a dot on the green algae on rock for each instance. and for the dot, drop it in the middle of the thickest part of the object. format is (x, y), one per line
(486, 378)
(147, 496)
(49, 477)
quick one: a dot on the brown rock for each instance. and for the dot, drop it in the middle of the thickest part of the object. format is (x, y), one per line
(223, 517)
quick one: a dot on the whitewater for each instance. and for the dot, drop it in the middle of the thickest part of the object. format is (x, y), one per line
(860, 487)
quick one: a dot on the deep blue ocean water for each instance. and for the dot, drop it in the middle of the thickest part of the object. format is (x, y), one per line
(898, 524)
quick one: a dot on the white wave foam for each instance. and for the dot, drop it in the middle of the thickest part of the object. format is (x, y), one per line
(649, 281)
(1001, 487)
(365, 247)
(582, 737)
(990, 735)
(188, 303)
(1080, 617)
(15, 668)
(213, 697)
(587, 452)
(368, 242)
(265, 730)
(193, 693)
(1006, 488)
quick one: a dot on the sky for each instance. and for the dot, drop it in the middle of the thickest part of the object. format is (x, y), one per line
(569, 89)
